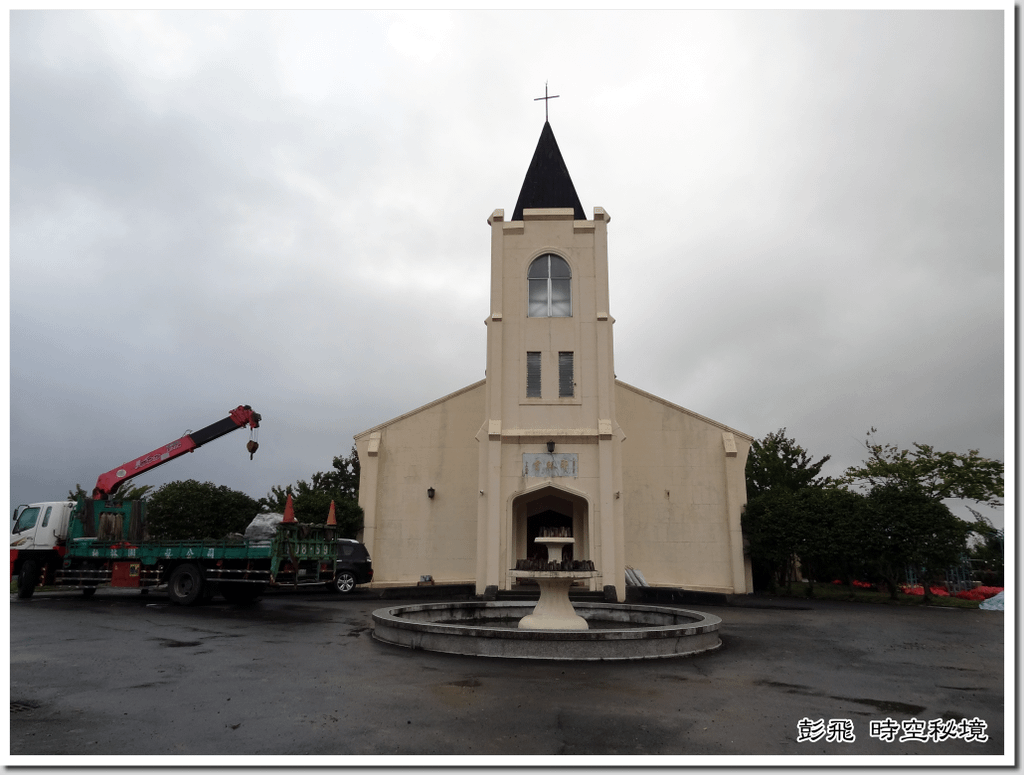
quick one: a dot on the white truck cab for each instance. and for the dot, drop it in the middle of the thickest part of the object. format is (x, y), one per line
(38, 541)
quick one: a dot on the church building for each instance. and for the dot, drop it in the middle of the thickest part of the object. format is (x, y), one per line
(550, 439)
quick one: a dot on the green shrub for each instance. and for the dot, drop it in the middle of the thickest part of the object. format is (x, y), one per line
(194, 510)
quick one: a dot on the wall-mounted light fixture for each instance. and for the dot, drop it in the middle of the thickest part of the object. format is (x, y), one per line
(551, 446)
(430, 492)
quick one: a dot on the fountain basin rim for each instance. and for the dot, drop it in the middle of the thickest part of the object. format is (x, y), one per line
(702, 623)
(655, 632)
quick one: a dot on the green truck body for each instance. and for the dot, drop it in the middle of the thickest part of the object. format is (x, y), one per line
(107, 544)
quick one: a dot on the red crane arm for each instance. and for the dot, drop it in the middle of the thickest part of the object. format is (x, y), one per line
(107, 484)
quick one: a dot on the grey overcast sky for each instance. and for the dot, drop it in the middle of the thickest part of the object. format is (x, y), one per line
(288, 209)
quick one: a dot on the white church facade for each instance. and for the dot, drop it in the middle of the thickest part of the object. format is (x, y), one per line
(457, 489)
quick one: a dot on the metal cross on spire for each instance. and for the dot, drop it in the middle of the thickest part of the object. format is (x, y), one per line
(546, 98)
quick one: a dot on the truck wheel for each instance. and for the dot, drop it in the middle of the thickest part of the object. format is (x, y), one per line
(28, 577)
(186, 584)
(88, 591)
(344, 582)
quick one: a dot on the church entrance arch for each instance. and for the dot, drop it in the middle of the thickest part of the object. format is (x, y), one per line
(549, 507)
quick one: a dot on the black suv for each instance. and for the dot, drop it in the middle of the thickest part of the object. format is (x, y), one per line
(353, 566)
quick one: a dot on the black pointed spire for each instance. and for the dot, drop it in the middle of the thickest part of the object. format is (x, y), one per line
(547, 182)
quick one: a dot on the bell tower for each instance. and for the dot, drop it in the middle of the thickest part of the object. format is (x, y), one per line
(550, 442)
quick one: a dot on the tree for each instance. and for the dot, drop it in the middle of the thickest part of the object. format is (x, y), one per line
(907, 488)
(345, 476)
(769, 536)
(822, 528)
(125, 493)
(777, 525)
(986, 549)
(778, 464)
(832, 534)
(311, 500)
(938, 475)
(909, 527)
(193, 510)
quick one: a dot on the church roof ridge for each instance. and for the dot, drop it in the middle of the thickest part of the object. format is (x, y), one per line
(419, 409)
(683, 409)
(547, 183)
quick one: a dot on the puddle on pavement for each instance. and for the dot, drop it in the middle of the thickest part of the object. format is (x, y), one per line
(791, 688)
(457, 693)
(177, 644)
(888, 706)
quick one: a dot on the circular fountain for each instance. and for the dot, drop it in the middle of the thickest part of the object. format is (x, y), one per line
(553, 628)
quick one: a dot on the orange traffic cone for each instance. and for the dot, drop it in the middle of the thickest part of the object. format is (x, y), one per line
(289, 512)
(330, 516)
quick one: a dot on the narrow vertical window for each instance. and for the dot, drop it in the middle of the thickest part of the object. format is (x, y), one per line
(533, 375)
(539, 288)
(561, 296)
(566, 385)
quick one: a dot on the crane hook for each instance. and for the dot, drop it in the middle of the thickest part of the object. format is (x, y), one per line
(252, 446)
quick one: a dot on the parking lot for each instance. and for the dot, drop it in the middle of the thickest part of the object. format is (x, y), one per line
(299, 675)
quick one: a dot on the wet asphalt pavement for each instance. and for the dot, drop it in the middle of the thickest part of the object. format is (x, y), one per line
(294, 675)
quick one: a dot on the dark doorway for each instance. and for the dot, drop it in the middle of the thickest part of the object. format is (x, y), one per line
(542, 520)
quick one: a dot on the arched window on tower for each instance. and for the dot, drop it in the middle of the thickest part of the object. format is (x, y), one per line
(550, 287)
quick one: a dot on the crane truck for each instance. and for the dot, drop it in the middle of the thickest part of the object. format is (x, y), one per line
(102, 541)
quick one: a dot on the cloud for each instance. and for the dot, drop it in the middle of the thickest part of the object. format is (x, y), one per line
(288, 209)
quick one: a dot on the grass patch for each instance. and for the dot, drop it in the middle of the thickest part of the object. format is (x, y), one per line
(841, 593)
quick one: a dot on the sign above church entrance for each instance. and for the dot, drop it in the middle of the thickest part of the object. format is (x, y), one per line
(545, 464)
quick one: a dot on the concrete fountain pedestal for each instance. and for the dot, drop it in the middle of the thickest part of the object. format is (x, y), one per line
(554, 610)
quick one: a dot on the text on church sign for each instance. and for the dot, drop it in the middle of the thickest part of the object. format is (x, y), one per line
(544, 464)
